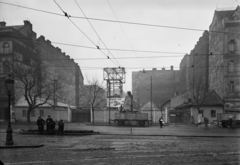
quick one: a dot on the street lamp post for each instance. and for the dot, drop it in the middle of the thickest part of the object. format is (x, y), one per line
(151, 102)
(9, 84)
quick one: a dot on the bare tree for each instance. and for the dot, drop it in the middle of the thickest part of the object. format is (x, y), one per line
(34, 83)
(198, 91)
(93, 96)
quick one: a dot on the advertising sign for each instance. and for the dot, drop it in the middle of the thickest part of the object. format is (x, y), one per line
(232, 106)
(115, 102)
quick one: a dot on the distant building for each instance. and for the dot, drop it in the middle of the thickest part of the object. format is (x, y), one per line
(61, 65)
(198, 62)
(61, 111)
(183, 84)
(224, 61)
(163, 85)
(17, 42)
(20, 42)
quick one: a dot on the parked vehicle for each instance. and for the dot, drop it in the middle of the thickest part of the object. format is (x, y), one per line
(223, 119)
(131, 118)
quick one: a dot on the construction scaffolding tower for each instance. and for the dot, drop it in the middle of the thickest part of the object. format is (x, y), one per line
(115, 78)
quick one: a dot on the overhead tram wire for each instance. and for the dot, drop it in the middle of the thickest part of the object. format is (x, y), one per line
(194, 65)
(96, 33)
(113, 21)
(123, 31)
(68, 16)
(88, 47)
(114, 49)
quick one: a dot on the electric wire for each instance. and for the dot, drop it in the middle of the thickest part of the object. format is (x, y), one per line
(96, 33)
(123, 31)
(114, 49)
(211, 31)
(68, 16)
(124, 22)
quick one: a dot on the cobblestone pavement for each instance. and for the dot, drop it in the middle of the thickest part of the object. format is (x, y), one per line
(122, 149)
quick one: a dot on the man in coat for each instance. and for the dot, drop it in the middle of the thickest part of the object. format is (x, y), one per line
(48, 122)
(160, 122)
(40, 124)
(60, 127)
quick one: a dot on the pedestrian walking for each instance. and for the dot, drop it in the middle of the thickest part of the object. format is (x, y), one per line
(48, 122)
(61, 127)
(40, 124)
(206, 121)
(160, 122)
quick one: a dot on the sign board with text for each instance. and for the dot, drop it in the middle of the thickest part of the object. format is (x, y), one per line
(115, 102)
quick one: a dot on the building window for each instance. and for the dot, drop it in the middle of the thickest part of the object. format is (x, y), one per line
(231, 66)
(41, 112)
(33, 113)
(213, 113)
(24, 113)
(6, 47)
(231, 86)
(232, 47)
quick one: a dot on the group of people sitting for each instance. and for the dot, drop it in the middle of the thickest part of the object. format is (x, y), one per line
(50, 125)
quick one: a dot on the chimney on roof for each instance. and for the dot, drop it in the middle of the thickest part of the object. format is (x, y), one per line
(58, 49)
(48, 41)
(2, 24)
(27, 23)
(42, 37)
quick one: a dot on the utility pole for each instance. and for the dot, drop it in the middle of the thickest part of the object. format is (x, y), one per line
(151, 101)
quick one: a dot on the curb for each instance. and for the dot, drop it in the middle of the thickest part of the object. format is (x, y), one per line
(210, 136)
(65, 134)
(32, 146)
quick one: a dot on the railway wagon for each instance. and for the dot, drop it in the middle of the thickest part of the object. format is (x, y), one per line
(131, 118)
(223, 119)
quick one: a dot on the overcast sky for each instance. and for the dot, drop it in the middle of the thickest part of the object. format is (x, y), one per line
(190, 14)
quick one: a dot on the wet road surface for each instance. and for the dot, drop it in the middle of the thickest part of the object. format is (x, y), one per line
(123, 149)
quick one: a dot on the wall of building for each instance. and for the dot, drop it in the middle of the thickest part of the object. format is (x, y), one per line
(56, 114)
(64, 69)
(163, 86)
(198, 61)
(216, 48)
(220, 75)
(20, 48)
(183, 74)
(206, 112)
